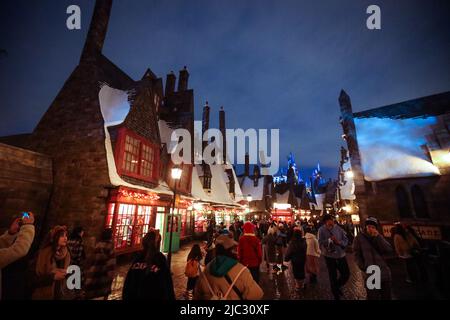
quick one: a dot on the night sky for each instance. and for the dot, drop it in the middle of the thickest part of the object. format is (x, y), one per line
(271, 64)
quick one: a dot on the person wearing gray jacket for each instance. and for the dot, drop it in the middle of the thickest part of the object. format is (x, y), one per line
(370, 250)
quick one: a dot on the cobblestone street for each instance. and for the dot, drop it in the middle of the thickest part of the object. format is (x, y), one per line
(276, 287)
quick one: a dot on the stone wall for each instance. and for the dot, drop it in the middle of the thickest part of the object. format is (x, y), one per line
(25, 183)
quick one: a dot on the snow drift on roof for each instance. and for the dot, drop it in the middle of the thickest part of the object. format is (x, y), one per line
(114, 105)
(393, 148)
(248, 188)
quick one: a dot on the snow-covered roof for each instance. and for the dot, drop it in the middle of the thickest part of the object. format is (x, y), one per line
(248, 188)
(282, 197)
(219, 190)
(393, 148)
(114, 105)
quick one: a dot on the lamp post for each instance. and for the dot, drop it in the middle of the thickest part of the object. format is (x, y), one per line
(176, 176)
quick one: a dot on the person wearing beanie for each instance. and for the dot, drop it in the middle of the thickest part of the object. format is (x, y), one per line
(249, 250)
(371, 249)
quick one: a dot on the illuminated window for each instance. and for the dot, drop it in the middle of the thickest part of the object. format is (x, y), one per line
(124, 225)
(137, 157)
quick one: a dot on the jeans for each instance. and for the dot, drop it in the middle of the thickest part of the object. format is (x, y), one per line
(333, 266)
(255, 273)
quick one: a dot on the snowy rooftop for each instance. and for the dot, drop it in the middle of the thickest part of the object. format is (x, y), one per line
(248, 188)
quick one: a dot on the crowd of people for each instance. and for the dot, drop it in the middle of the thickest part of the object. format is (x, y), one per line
(227, 267)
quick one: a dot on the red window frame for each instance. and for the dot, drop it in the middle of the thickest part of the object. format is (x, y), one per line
(120, 155)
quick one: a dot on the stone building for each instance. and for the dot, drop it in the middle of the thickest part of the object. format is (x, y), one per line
(400, 162)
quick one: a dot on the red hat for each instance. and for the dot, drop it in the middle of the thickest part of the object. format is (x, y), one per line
(249, 227)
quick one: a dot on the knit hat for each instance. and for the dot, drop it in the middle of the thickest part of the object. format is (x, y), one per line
(226, 241)
(372, 221)
(249, 227)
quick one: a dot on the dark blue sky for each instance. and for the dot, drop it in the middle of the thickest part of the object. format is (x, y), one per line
(272, 64)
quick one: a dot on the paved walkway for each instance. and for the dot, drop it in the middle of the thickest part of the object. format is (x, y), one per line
(281, 286)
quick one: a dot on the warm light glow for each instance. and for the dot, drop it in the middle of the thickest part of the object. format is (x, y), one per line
(249, 198)
(348, 208)
(355, 218)
(446, 157)
(198, 206)
(349, 174)
(282, 206)
(176, 173)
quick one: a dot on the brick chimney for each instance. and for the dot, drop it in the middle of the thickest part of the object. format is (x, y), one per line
(222, 128)
(205, 124)
(170, 83)
(247, 165)
(183, 81)
(97, 31)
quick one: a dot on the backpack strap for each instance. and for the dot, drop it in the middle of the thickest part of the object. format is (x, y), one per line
(233, 283)
(209, 286)
(236, 290)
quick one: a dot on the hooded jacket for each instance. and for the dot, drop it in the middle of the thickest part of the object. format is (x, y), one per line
(215, 274)
(249, 250)
(149, 282)
(312, 244)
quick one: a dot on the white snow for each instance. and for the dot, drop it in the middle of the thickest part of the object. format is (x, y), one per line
(114, 105)
(248, 188)
(392, 148)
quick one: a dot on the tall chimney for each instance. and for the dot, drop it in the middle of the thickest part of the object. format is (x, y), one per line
(205, 124)
(97, 31)
(183, 81)
(222, 128)
(247, 165)
(170, 83)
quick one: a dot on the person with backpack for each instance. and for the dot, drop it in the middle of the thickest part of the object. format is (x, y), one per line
(371, 249)
(225, 278)
(192, 270)
(296, 253)
(149, 276)
(250, 252)
(333, 241)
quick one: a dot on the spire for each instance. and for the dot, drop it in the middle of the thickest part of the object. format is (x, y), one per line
(222, 128)
(97, 30)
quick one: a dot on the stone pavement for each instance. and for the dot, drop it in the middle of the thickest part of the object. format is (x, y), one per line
(281, 286)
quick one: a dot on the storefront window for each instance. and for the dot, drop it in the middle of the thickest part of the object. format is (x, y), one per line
(124, 225)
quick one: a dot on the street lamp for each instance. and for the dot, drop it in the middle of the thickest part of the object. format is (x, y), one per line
(349, 174)
(176, 175)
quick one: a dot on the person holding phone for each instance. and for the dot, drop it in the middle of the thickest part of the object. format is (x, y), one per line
(16, 242)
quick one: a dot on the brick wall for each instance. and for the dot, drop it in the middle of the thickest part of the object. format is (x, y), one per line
(25, 183)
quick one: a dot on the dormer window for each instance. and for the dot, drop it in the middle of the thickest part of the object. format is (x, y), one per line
(136, 157)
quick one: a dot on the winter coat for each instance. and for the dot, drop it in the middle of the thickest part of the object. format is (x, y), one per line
(46, 287)
(332, 251)
(14, 247)
(100, 274)
(404, 247)
(281, 240)
(215, 273)
(296, 253)
(270, 248)
(249, 250)
(149, 282)
(312, 245)
(369, 251)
